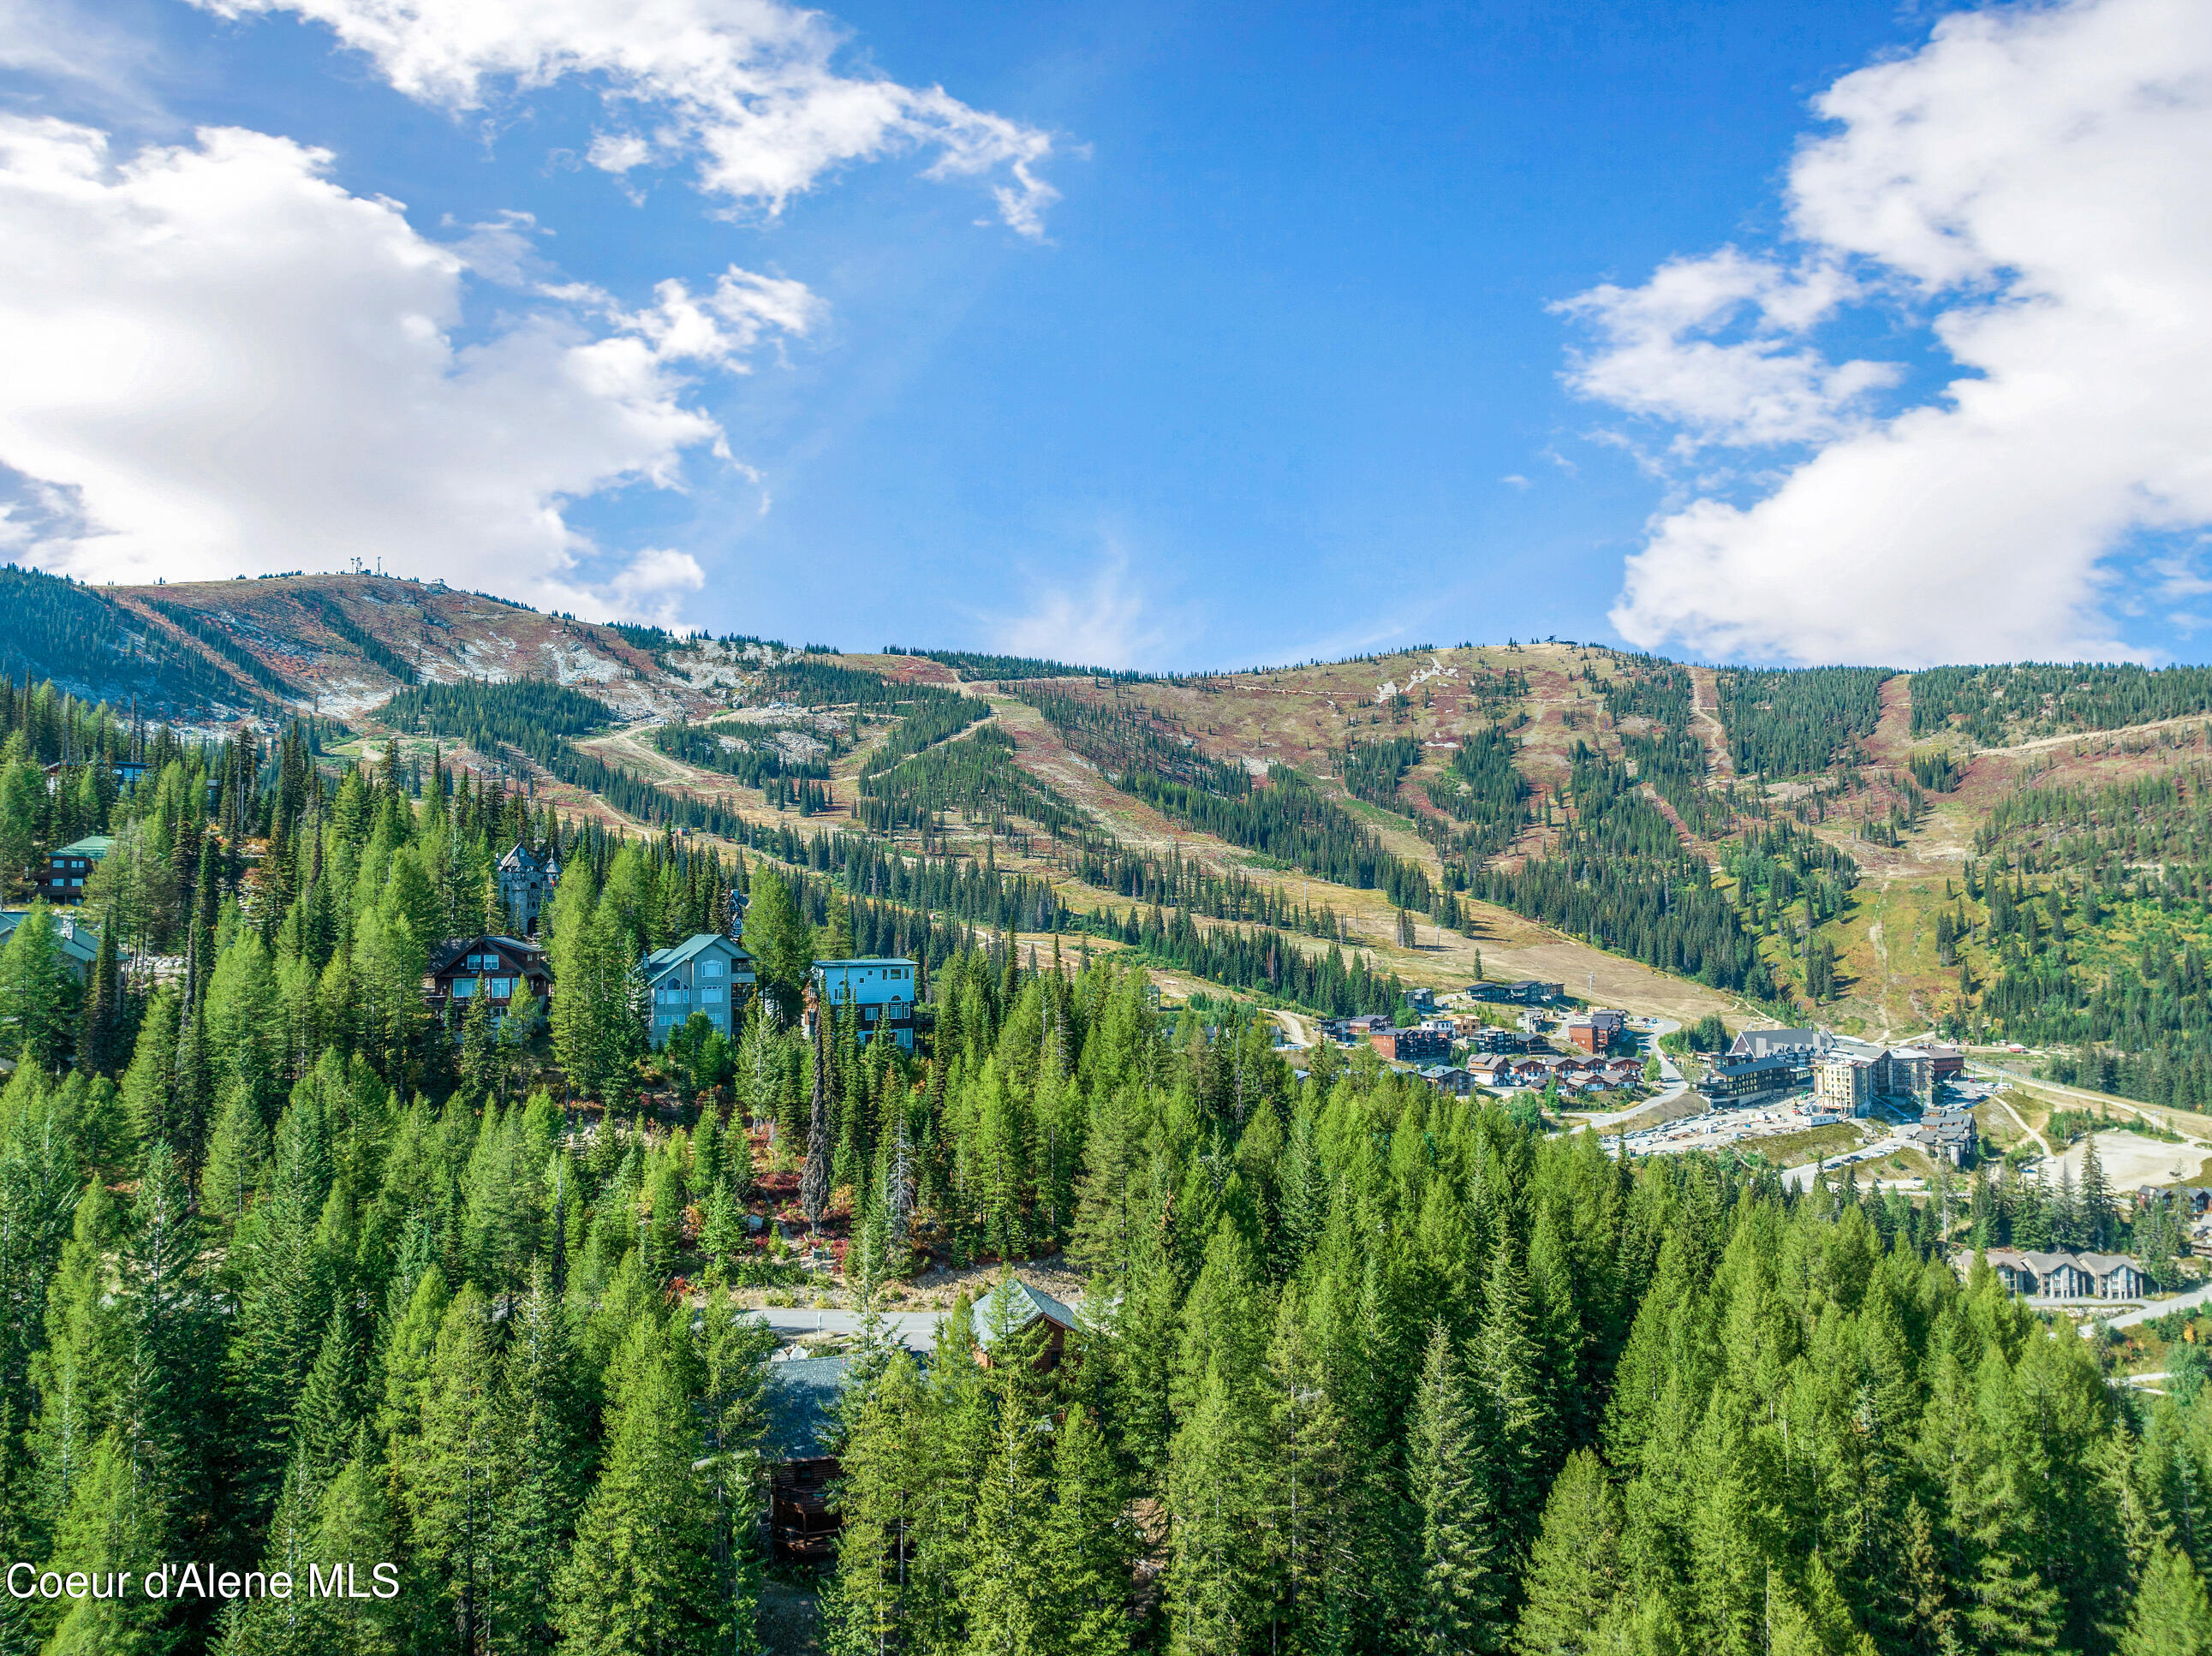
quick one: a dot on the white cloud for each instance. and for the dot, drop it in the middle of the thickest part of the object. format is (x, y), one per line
(219, 360)
(2032, 180)
(1514, 480)
(744, 88)
(1660, 358)
(1103, 624)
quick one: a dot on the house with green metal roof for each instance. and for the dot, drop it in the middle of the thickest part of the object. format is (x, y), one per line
(62, 880)
(1014, 1308)
(79, 943)
(707, 972)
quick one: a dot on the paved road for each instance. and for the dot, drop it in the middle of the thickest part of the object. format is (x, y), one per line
(915, 1330)
(1674, 1089)
(2196, 1296)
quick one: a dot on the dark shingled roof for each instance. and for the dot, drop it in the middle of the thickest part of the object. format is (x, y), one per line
(798, 1398)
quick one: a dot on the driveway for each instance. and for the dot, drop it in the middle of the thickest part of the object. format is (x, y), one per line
(2196, 1296)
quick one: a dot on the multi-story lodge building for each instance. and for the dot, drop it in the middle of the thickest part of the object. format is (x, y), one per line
(707, 972)
(881, 991)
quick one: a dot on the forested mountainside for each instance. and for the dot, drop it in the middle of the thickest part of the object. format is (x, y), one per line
(297, 1272)
(1790, 844)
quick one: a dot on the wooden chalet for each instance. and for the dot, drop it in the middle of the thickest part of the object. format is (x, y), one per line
(1014, 1308)
(512, 968)
(798, 1397)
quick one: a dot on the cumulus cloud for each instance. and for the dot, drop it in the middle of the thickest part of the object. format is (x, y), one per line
(1103, 624)
(220, 360)
(744, 89)
(2030, 184)
(1714, 345)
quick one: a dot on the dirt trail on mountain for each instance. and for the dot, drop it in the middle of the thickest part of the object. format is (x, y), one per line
(1704, 697)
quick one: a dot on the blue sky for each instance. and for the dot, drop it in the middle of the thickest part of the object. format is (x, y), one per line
(1212, 340)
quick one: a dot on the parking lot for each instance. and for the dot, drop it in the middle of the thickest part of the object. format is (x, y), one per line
(1716, 1129)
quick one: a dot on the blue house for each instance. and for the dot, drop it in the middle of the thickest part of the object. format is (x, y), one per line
(881, 990)
(706, 972)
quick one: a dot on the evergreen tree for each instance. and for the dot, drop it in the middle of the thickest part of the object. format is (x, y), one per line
(1007, 1595)
(1214, 1606)
(1087, 1545)
(39, 994)
(452, 1480)
(2173, 1616)
(1574, 1570)
(888, 1464)
(639, 1581)
(1460, 1586)
(99, 1048)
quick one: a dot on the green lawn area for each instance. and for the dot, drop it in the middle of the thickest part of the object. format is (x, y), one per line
(1796, 1149)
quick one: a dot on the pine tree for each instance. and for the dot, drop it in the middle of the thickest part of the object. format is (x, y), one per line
(1319, 1590)
(139, 1500)
(538, 1455)
(354, 1528)
(149, 1082)
(100, 1037)
(2098, 1219)
(639, 1578)
(1515, 1426)
(39, 994)
(888, 1463)
(2172, 1616)
(1006, 1594)
(1088, 1544)
(1213, 1607)
(236, 1155)
(814, 1183)
(452, 1480)
(1459, 1588)
(1574, 1571)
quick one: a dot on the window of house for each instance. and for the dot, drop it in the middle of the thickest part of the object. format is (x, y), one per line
(464, 987)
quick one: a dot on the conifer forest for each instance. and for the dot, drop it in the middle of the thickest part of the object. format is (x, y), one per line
(310, 1274)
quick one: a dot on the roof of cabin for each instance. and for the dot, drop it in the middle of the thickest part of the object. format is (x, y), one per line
(453, 949)
(798, 1398)
(1027, 1304)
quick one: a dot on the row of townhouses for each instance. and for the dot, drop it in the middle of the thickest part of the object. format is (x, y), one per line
(2062, 1274)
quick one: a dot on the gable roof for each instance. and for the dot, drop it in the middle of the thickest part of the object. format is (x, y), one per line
(95, 846)
(1026, 1305)
(798, 1398)
(667, 959)
(72, 936)
(443, 956)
